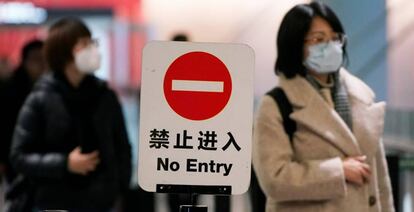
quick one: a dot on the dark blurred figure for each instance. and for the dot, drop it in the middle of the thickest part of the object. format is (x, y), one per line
(4, 70)
(180, 37)
(14, 92)
(70, 139)
(4, 75)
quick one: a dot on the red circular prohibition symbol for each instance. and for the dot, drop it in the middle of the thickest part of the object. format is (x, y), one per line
(197, 85)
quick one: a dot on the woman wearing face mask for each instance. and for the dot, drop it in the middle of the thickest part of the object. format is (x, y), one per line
(70, 140)
(326, 154)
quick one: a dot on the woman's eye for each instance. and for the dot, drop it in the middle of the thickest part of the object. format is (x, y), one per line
(317, 40)
(320, 40)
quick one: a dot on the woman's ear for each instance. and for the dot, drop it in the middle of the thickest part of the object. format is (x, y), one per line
(76, 48)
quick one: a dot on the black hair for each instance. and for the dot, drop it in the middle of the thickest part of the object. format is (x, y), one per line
(180, 37)
(291, 36)
(30, 46)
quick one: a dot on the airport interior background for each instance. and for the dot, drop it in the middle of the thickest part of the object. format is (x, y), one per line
(380, 47)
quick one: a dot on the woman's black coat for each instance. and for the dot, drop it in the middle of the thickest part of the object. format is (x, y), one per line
(51, 124)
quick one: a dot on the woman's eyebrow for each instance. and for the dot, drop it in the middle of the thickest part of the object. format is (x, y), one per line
(320, 32)
(317, 32)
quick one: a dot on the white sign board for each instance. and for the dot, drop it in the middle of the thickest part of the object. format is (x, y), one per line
(196, 115)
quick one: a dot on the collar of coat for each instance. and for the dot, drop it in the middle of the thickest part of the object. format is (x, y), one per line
(312, 112)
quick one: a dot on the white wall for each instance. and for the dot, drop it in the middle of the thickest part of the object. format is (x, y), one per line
(401, 54)
(100, 28)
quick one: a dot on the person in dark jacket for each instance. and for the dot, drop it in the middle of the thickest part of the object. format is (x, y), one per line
(70, 139)
(14, 92)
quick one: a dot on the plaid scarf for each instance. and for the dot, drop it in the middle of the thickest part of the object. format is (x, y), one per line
(339, 97)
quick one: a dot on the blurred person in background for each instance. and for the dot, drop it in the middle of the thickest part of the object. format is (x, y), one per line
(326, 153)
(5, 69)
(13, 95)
(4, 75)
(70, 139)
(14, 92)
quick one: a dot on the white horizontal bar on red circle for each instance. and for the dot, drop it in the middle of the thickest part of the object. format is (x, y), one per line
(198, 86)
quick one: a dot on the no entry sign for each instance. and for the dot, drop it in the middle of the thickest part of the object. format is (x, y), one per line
(196, 117)
(197, 85)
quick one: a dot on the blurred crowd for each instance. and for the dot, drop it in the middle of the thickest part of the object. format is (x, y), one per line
(63, 140)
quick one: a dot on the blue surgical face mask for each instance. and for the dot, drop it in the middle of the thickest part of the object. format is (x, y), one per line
(324, 58)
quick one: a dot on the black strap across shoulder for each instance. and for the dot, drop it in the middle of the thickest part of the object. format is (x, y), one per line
(289, 126)
(285, 108)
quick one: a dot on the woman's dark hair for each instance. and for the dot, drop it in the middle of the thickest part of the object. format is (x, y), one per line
(291, 36)
(62, 38)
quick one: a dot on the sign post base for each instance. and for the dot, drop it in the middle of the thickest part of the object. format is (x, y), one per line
(193, 208)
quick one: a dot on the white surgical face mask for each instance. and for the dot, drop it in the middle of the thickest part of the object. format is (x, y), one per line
(324, 58)
(88, 59)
